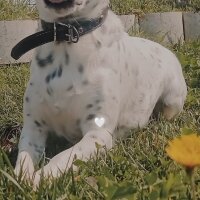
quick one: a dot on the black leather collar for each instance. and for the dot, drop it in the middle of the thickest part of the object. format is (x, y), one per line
(67, 31)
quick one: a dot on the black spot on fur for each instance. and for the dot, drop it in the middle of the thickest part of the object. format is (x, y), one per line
(97, 101)
(85, 82)
(118, 45)
(89, 106)
(35, 145)
(80, 68)
(126, 66)
(95, 5)
(67, 58)
(60, 71)
(27, 99)
(48, 78)
(37, 123)
(98, 108)
(98, 44)
(49, 91)
(53, 75)
(114, 98)
(44, 122)
(38, 151)
(70, 88)
(45, 61)
(152, 56)
(78, 122)
(30, 144)
(91, 116)
(159, 65)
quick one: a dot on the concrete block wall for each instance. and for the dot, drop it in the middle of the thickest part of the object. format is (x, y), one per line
(191, 25)
(11, 32)
(128, 21)
(173, 27)
(168, 26)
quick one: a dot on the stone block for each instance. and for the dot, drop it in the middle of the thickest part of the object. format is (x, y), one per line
(168, 26)
(11, 32)
(128, 21)
(191, 25)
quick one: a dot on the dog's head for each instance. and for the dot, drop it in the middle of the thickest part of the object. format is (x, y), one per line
(53, 10)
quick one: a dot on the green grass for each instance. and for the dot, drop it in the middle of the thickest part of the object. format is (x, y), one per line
(136, 168)
(150, 6)
(10, 11)
(19, 10)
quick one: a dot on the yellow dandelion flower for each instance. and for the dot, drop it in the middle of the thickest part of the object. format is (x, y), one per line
(185, 150)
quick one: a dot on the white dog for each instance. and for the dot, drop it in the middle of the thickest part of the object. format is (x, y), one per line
(93, 81)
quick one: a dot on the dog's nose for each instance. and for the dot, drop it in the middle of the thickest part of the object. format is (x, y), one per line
(58, 1)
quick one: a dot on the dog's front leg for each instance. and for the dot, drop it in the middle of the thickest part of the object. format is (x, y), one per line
(82, 150)
(31, 146)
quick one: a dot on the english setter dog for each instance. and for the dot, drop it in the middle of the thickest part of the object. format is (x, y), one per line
(89, 80)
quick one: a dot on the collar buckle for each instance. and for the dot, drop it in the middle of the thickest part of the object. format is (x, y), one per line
(70, 33)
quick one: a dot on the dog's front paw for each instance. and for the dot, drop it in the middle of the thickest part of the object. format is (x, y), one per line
(42, 174)
(24, 168)
(36, 179)
(24, 173)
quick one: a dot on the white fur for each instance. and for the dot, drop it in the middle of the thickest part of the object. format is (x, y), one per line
(121, 81)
